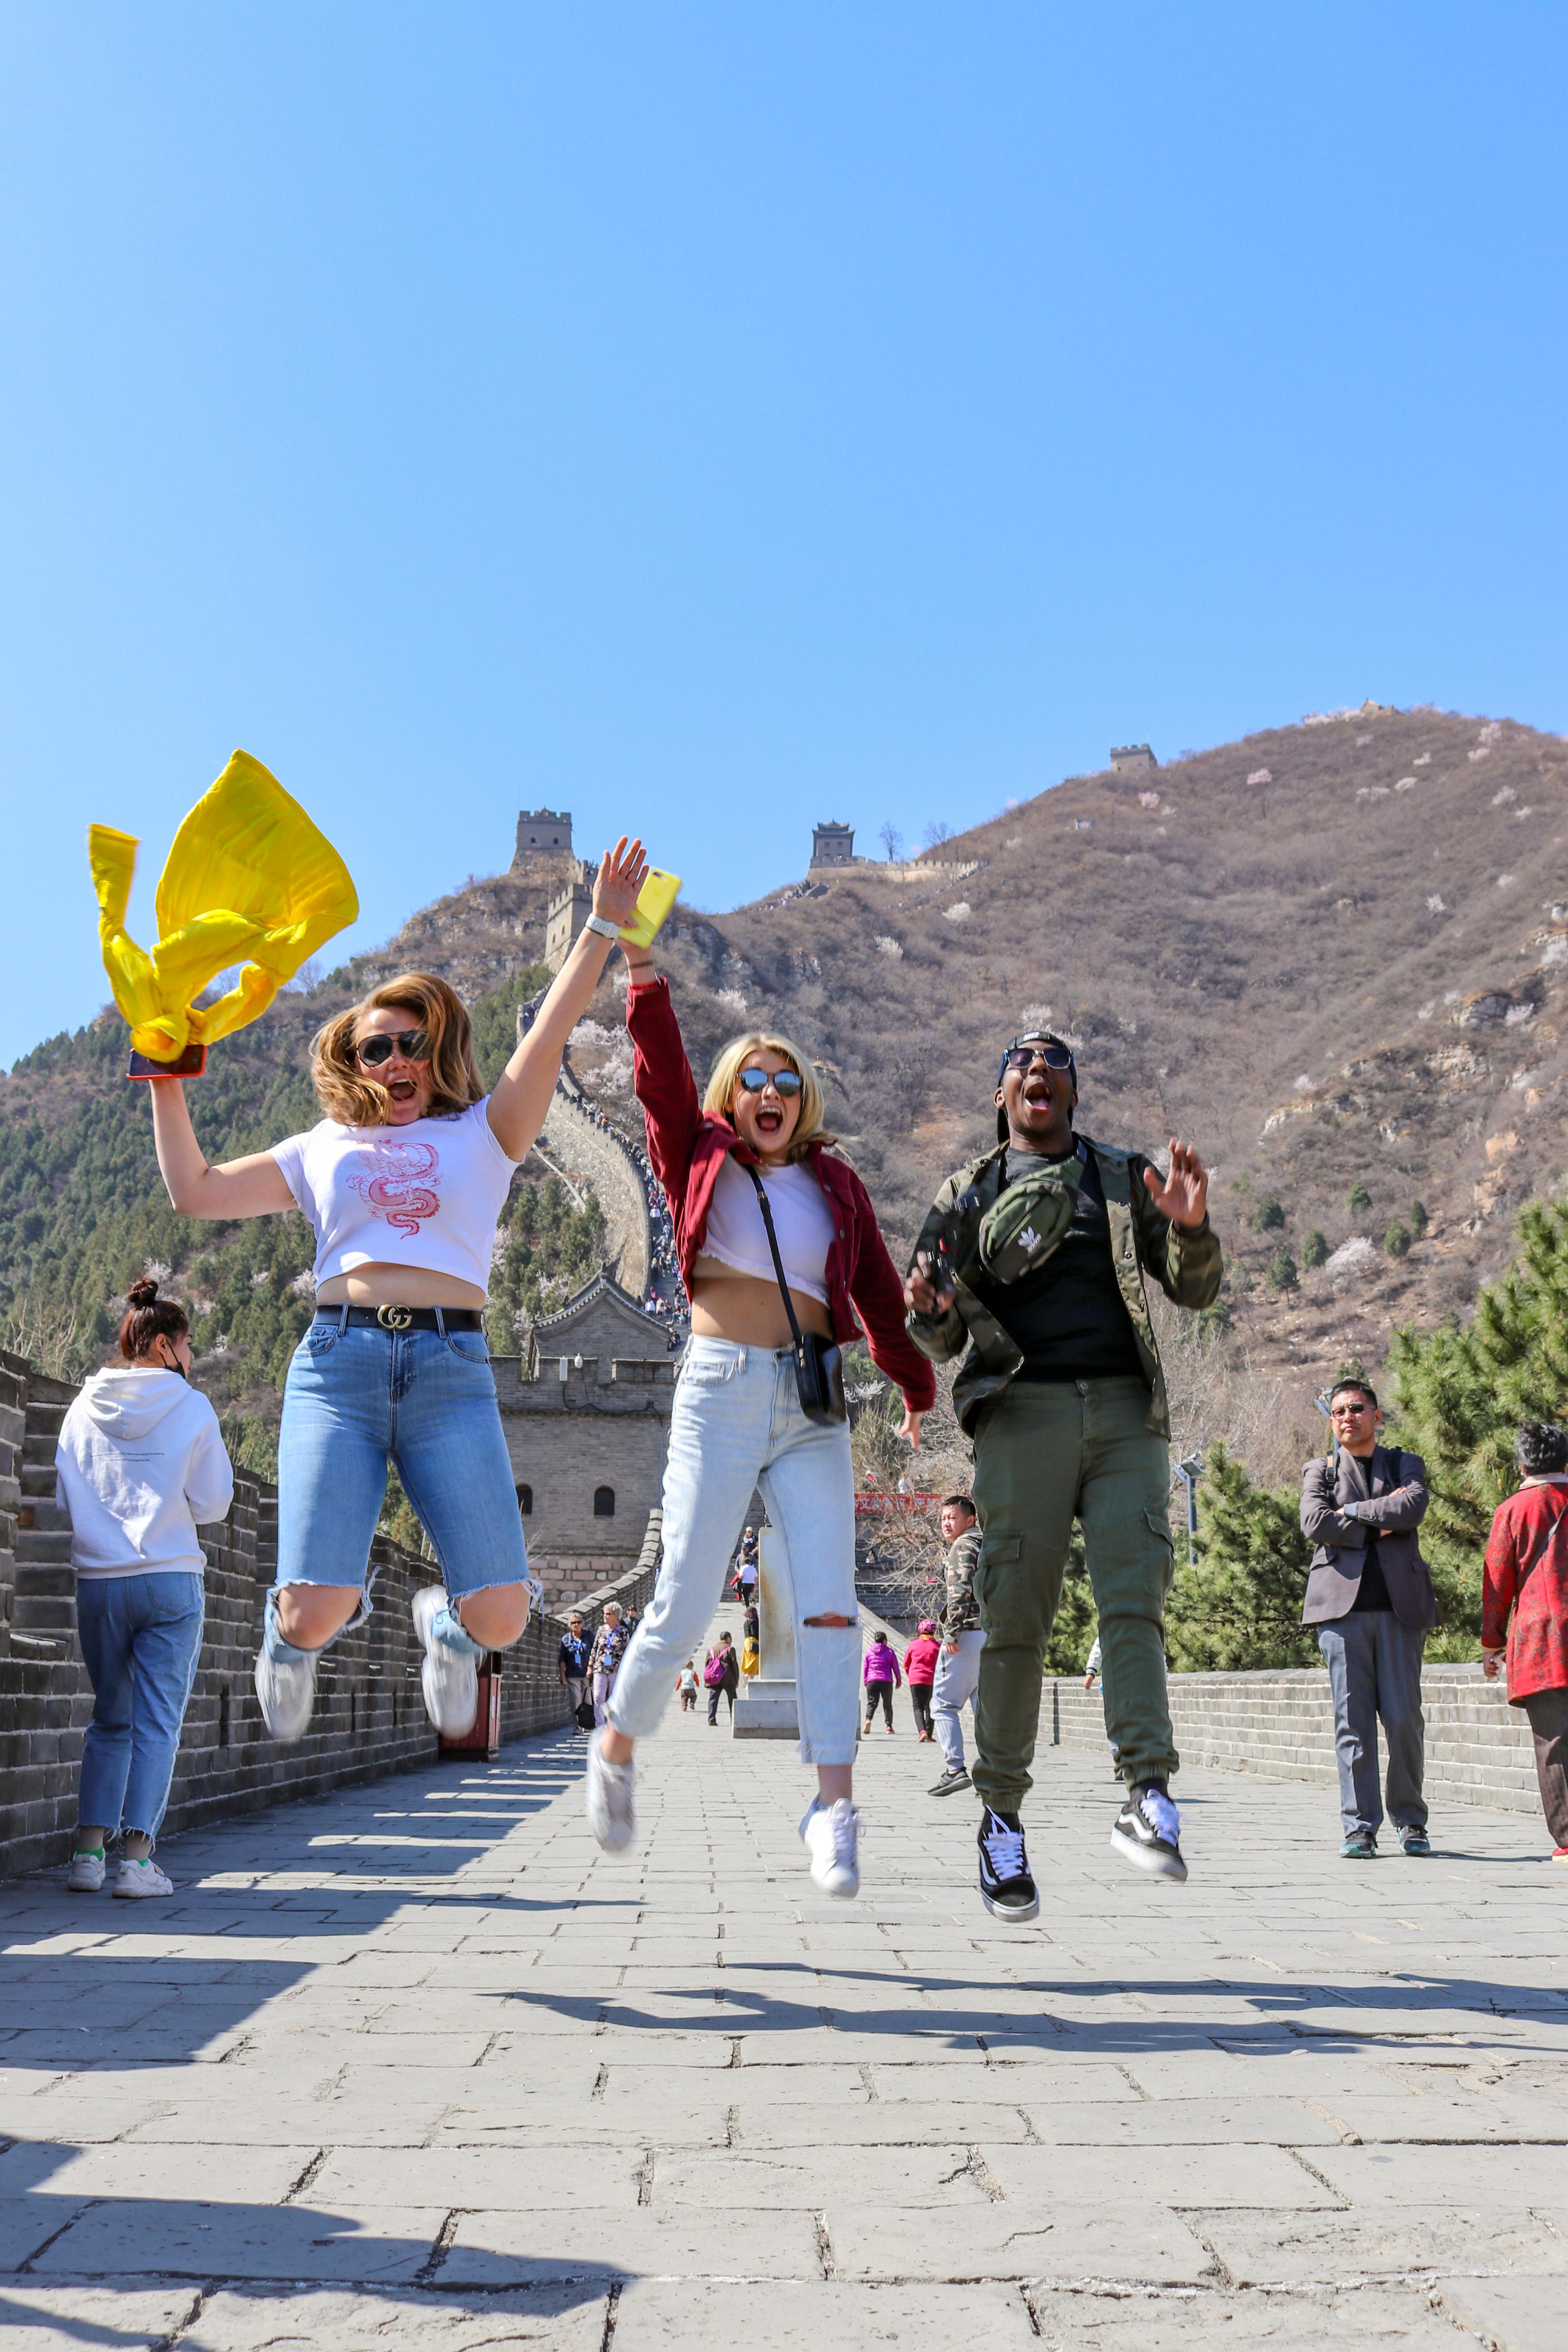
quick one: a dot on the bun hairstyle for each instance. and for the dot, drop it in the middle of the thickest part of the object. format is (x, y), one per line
(356, 1098)
(148, 1317)
(1541, 1449)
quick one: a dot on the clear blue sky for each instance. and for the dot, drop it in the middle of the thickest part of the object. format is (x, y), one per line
(711, 419)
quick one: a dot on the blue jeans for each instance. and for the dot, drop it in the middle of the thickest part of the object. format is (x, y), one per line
(736, 1425)
(140, 1637)
(356, 1398)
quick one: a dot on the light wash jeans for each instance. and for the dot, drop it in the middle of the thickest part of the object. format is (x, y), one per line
(737, 1424)
(141, 1638)
(356, 1398)
(957, 1679)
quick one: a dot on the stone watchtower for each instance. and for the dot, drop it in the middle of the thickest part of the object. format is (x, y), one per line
(1133, 759)
(571, 904)
(832, 845)
(543, 833)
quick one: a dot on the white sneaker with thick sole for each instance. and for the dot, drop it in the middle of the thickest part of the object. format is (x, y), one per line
(607, 1798)
(831, 1836)
(449, 1680)
(85, 1876)
(286, 1689)
(138, 1878)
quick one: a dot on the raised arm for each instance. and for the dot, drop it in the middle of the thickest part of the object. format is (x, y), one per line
(252, 1187)
(520, 1097)
(662, 1077)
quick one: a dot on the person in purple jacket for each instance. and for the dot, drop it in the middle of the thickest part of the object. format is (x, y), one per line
(880, 1674)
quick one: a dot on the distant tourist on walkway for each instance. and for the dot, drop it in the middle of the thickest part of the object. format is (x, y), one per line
(880, 1673)
(572, 1663)
(1371, 1598)
(721, 1673)
(1524, 1609)
(1035, 1258)
(746, 1565)
(957, 1674)
(138, 1465)
(610, 1642)
(685, 1684)
(402, 1180)
(784, 1265)
(919, 1671)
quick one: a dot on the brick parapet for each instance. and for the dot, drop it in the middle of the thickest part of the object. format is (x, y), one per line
(1280, 1726)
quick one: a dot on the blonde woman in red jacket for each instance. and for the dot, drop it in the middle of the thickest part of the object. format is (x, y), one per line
(1524, 1609)
(738, 1421)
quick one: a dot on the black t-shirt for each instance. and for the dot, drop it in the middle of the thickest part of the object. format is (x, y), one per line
(1372, 1593)
(1069, 1317)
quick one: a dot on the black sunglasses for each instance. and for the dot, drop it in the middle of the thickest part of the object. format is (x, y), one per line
(757, 1082)
(1019, 1057)
(411, 1043)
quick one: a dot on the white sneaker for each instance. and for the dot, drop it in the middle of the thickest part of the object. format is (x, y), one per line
(607, 1798)
(143, 1878)
(85, 1876)
(831, 1835)
(449, 1680)
(286, 1689)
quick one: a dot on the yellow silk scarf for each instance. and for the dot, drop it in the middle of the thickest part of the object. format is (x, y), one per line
(248, 876)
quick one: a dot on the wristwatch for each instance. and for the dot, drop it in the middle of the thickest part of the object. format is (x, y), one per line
(603, 925)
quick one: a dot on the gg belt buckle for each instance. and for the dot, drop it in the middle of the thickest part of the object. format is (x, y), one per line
(394, 1319)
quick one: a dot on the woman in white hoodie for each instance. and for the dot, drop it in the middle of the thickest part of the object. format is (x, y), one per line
(140, 1465)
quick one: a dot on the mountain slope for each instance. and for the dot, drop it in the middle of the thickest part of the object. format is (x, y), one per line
(1331, 955)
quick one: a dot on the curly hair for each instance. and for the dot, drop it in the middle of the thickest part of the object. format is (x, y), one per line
(725, 1074)
(1540, 1448)
(351, 1094)
(148, 1317)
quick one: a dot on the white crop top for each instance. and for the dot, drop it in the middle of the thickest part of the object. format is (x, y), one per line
(802, 1220)
(426, 1195)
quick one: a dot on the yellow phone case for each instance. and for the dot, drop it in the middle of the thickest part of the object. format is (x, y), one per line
(654, 899)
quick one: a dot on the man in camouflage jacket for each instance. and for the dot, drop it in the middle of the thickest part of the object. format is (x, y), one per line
(1032, 1260)
(958, 1669)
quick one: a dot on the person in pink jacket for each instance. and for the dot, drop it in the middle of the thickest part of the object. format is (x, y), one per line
(879, 1673)
(919, 1671)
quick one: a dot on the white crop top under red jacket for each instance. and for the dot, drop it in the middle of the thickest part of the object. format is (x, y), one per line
(426, 1195)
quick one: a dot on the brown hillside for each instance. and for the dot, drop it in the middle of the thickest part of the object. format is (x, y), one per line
(1352, 969)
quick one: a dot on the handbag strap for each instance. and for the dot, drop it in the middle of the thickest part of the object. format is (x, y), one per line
(778, 1261)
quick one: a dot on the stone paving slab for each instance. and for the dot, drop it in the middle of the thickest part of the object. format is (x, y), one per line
(415, 2062)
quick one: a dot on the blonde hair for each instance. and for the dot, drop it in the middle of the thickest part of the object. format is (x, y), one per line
(350, 1093)
(726, 1077)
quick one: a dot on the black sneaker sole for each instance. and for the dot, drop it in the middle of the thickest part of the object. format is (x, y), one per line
(951, 1788)
(1015, 1915)
(1157, 1860)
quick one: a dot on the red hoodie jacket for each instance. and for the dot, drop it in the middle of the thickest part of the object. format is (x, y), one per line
(687, 1148)
(1525, 1589)
(920, 1660)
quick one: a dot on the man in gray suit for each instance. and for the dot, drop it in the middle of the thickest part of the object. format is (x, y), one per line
(1371, 1598)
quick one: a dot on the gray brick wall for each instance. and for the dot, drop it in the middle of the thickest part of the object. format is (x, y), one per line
(369, 1717)
(1281, 1726)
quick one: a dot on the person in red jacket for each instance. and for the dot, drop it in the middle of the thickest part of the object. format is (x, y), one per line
(919, 1673)
(758, 1134)
(1524, 1609)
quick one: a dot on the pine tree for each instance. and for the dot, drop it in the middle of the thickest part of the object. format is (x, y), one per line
(1241, 1606)
(1462, 1392)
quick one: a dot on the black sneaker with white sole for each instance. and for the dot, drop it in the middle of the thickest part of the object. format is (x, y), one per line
(1007, 1888)
(1148, 1832)
(954, 1776)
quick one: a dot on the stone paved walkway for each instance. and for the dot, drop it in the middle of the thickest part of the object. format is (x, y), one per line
(415, 2064)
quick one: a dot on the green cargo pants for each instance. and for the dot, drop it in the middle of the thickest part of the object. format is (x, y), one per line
(1046, 1452)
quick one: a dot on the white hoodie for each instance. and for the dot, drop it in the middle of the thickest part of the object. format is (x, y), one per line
(140, 1465)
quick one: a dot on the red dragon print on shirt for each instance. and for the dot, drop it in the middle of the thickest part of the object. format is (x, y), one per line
(400, 1182)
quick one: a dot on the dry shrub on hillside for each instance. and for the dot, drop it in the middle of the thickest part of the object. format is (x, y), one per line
(1218, 1397)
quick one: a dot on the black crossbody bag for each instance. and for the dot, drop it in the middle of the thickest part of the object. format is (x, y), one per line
(818, 1363)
